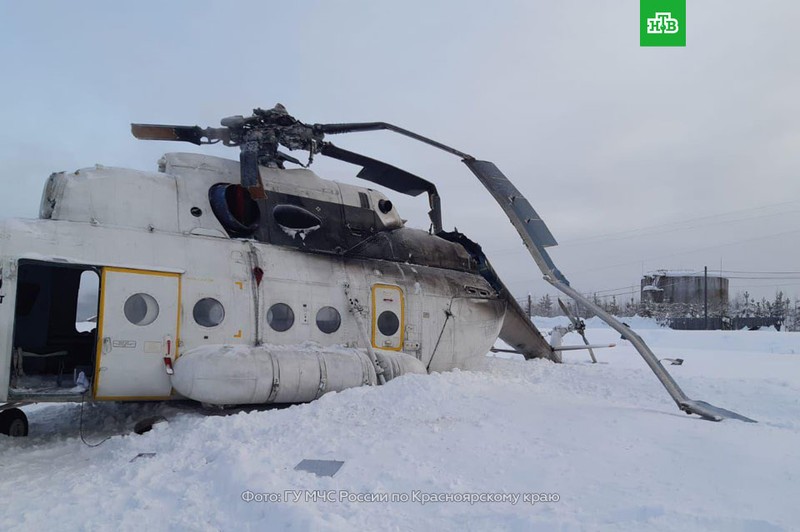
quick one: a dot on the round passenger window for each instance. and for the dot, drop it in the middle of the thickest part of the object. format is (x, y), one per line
(388, 323)
(328, 320)
(141, 309)
(208, 312)
(280, 317)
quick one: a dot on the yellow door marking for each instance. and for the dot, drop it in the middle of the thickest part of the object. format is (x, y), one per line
(240, 284)
(401, 330)
(101, 310)
(99, 349)
(238, 334)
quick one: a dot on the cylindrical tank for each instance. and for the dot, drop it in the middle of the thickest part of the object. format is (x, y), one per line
(684, 287)
(240, 374)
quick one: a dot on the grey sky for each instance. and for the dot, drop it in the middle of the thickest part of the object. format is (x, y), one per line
(601, 135)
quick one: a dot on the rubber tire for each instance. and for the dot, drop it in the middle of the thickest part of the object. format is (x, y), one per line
(14, 423)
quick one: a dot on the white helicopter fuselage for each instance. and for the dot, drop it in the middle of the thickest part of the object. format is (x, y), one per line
(173, 281)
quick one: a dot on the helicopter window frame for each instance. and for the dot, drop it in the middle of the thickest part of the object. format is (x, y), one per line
(206, 310)
(88, 289)
(326, 323)
(141, 317)
(280, 323)
(388, 323)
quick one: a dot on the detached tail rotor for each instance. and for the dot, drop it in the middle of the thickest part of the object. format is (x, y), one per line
(576, 325)
(579, 326)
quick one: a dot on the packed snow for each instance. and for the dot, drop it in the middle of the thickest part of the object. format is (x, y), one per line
(594, 447)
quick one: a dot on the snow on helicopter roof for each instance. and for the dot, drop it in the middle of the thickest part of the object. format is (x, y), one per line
(144, 200)
(681, 273)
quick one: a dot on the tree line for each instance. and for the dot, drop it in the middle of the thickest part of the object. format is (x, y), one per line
(780, 310)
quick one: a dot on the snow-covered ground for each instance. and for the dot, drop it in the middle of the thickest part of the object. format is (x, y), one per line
(605, 438)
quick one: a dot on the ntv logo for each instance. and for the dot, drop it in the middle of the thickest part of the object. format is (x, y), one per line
(662, 23)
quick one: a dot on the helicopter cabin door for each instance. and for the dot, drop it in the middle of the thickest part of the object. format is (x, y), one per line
(388, 320)
(137, 330)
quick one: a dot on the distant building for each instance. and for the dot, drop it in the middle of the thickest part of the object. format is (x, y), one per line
(665, 286)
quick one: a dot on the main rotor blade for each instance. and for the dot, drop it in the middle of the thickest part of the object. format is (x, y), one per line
(381, 173)
(192, 134)
(519, 210)
(355, 127)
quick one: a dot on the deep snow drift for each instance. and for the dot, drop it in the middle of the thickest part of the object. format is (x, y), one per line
(605, 438)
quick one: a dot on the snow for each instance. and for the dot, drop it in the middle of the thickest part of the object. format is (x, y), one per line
(85, 326)
(682, 273)
(605, 438)
(638, 323)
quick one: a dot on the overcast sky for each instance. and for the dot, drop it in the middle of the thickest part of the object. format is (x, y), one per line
(637, 158)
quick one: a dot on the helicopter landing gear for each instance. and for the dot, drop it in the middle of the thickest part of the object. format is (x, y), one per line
(13, 422)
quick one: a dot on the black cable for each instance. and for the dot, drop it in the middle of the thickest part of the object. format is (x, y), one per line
(80, 428)
(448, 315)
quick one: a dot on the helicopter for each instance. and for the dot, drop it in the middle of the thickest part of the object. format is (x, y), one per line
(246, 282)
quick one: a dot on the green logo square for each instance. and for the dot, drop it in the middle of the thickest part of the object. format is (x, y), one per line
(662, 22)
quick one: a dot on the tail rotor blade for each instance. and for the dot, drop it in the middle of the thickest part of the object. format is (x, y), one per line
(579, 327)
(568, 314)
(588, 346)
